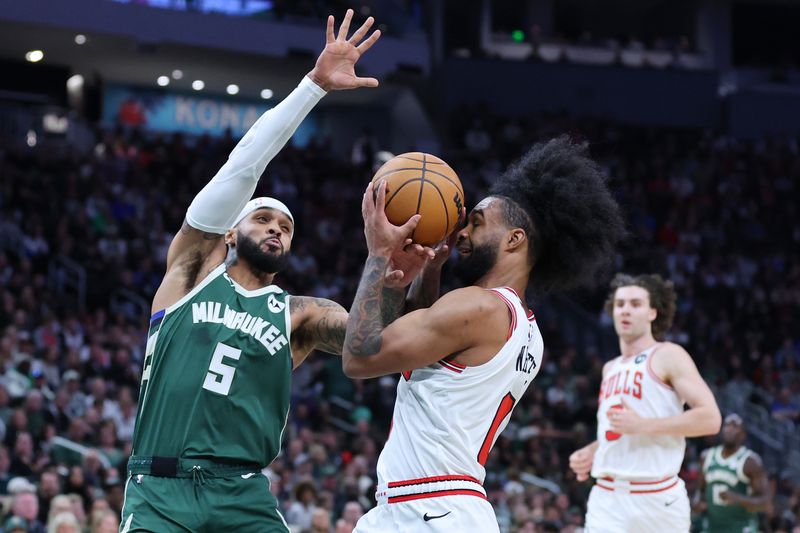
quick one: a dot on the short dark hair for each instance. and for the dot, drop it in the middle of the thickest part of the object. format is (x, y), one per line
(560, 197)
(662, 298)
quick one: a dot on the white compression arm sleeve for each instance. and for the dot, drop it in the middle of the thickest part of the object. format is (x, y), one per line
(215, 207)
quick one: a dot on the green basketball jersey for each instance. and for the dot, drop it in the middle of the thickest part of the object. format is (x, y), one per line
(723, 474)
(216, 376)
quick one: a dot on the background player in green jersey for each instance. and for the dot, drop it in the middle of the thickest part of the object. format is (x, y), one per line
(733, 484)
(223, 340)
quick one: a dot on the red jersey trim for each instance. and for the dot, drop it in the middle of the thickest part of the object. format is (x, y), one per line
(612, 489)
(451, 367)
(437, 494)
(434, 479)
(653, 373)
(530, 315)
(511, 309)
(611, 479)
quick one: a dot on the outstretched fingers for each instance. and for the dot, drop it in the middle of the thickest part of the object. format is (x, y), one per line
(364, 46)
(345, 27)
(329, 37)
(361, 32)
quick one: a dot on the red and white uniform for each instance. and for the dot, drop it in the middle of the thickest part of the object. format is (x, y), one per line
(637, 485)
(446, 420)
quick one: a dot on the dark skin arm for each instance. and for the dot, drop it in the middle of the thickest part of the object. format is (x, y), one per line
(698, 501)
(759, 500)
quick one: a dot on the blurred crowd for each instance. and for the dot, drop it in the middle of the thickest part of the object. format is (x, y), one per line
(716, 215)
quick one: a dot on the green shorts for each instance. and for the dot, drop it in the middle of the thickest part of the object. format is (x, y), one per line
(207, 500)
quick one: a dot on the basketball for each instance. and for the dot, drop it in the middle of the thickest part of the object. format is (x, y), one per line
(422, 183)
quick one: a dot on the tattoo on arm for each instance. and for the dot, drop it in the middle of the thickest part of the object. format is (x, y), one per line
(329, 330)
(326, 330)
(366, 317)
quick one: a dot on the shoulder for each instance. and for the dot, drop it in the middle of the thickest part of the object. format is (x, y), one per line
(470, 302)
(669, 358)
(609, 364)
(752, 463)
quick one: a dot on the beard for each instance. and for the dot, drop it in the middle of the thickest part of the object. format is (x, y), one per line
(249, 250)
(474, 266)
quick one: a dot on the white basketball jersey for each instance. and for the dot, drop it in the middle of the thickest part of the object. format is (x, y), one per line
(448, 416)
(637, 457)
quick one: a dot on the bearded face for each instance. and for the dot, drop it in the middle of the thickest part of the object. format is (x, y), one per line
(267, 256)
(475, 261)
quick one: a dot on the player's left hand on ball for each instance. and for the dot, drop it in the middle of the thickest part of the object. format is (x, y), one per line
(406, 263)
(383, 238)
(626, 421)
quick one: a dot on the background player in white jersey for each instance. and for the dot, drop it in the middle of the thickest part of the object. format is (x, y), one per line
(733, 484)
(641, 422)
(466, 360)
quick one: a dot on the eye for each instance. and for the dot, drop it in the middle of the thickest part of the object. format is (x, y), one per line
(285, 228)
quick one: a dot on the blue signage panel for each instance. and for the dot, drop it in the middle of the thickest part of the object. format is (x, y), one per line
(189, 113)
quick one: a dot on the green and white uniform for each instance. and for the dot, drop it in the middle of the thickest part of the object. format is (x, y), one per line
(213, 405)
(727, 474)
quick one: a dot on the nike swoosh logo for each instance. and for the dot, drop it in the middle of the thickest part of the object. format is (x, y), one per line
(670, 503)
(428, 518)
(248, 476)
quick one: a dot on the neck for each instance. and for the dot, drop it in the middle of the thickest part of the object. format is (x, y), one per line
(729, 449)
(506, 277)
(628, 347)
(245, 275)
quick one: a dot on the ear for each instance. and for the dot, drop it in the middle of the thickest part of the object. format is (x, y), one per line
(515, 239)
(230, 237)
(652, 314)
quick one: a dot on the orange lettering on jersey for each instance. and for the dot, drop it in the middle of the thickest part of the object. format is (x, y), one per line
(637, 385)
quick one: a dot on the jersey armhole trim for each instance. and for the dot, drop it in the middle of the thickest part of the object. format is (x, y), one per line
(197, 288)
(511, 310)
(653, 372)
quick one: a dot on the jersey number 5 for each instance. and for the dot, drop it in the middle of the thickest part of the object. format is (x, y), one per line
(220, 375)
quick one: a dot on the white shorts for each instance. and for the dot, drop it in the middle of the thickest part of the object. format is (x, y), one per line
(447, 514)
(617, 511)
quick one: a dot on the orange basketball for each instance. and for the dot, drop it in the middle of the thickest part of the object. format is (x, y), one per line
(422, 183)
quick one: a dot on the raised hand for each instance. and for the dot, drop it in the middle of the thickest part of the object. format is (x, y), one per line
(335, 68)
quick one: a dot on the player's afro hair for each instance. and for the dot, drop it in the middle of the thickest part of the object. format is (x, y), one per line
(574, 223)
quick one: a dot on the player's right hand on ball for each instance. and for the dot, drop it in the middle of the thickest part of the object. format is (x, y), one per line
(581, 462)
(335, 68)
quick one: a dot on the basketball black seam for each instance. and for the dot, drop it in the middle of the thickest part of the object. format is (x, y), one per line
(446, 211)
(421, 187)
(398, 190)
(417, 168)
(420, 160)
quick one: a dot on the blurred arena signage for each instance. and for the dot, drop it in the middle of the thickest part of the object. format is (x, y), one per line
(188, 113)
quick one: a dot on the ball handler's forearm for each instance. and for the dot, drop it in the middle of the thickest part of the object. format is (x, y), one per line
(216, 206)
(424, 290)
